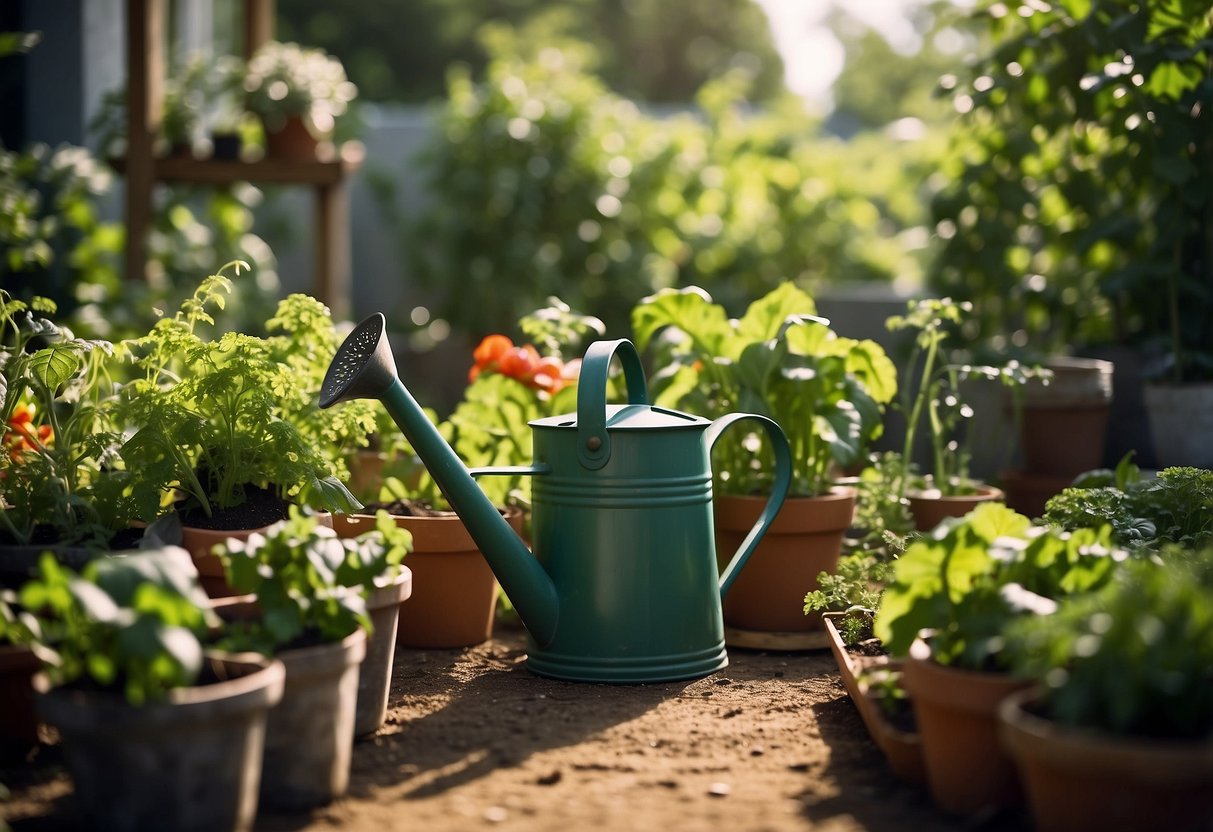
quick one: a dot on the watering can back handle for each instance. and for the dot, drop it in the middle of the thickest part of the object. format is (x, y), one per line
(593, 442)
(783, 479)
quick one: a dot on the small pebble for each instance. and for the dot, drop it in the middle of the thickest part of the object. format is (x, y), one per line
(495, 814)
(719, 789)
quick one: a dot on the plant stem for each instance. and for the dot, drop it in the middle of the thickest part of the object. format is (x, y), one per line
(924, 386)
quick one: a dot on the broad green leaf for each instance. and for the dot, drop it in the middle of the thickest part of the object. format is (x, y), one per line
(690, 310)
(764, 317)
(990, 521)
(54, 366)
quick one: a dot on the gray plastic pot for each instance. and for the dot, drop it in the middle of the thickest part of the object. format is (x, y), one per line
(192, 762)
(310, 734)
(375, 677)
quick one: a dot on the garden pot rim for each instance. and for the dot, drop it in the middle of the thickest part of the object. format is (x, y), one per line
(985, 492)
(262, 687)
(1052, 741)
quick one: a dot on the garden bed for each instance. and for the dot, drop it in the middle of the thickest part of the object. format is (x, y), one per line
(475, 739)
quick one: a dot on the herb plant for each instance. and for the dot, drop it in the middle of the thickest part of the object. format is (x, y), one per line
(311, 585)
(931, 390)
(970, 578)
(1173, 507)
(286, 79)
(1133, 658)
(57, 440)
(132, 623)
(209, 418)
(778, 360)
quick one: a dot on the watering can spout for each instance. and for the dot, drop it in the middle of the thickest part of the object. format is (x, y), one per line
(365, 369)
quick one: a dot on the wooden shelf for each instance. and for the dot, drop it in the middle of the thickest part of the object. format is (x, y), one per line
(145, 27)
(266, 170)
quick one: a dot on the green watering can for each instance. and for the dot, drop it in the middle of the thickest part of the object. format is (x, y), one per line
(622, 584)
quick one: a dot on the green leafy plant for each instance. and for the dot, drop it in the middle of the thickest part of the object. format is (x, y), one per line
(133, 623)
(286, 79)
(778, 360)
(931, 390)
(310, 585)
(1170, 508)
(971, 577)
(208, 420)
(1133, 658)
(58, 442)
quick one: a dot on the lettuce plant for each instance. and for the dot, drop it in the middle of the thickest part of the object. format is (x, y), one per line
(778, 360)
(971, 577)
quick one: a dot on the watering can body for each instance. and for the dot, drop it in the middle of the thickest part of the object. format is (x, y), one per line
(623, 583)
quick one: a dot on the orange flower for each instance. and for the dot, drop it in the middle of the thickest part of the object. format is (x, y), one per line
(23, 435)
(488, 353)
(519, 363)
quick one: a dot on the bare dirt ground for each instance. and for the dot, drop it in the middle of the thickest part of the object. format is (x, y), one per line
(474, 740)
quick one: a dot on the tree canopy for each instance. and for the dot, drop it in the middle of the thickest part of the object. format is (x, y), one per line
(649, 50)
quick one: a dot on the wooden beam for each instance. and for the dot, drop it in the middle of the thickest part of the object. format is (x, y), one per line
(145, 20)
(258, 24)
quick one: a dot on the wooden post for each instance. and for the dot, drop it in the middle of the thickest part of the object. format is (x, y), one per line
(145, 21)
(258, 25)
(332, 258)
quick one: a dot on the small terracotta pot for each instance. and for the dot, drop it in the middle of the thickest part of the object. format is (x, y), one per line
(1065, 421)
(929, 509)
(804, 541)
(454, 591)
(1080, 780)
(957, 713)
(292, 141)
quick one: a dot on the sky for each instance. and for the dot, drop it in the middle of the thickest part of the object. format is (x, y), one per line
(812, 55)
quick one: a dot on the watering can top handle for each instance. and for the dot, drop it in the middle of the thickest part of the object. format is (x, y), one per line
(593, 443)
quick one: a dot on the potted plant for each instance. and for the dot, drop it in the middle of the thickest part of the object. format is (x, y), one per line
(508, 386)
(826, 392)
(212, 433)
(157, 732)
(952, 596)
(299, 95)
(1118, 732)
(308, 608)
(931, 391)
(55, 485)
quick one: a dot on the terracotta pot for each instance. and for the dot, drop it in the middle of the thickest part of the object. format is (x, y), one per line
(957, 713)
(375, 675)
(454, 592)
(1066, 421)
(902, 749)
(366, 473)
(929, 509)
(804, 541)
(1083, 780)
(310, 735)
(192, 761)
(1181, 424)
(292, 141)
(18, 718)
(1029, 493)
